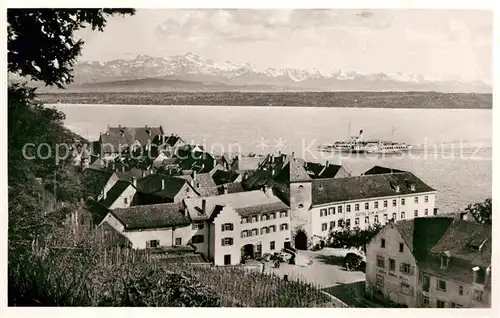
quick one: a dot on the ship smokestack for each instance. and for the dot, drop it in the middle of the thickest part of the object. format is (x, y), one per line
(360, 138)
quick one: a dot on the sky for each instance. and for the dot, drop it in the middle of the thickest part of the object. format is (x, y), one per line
(441, 44)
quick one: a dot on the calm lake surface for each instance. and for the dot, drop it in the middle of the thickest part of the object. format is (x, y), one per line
(453, 155)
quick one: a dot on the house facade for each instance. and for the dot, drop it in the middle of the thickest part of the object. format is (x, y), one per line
(120, 195)
(433, 262)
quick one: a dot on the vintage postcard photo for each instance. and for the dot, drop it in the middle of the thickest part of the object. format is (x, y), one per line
(196, 157)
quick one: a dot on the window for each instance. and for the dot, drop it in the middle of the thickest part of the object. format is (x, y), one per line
(301, 187)
(367, 206)
(453, 305)
(379, 281)
(324, 227)
(153, 243)
(375, 204)
(406, 269)
(264, 230)
(406, 289)
(340, 223)
(392, 264)
(178, 241)
(415, 213)
(331, 211)
(426, 212)
(340, 209)
(284, 214)
(415, 199)
(244, 233)
(380, 261)
(227, 227)
(367, 219)
(356, 221)
(478, 295)
(272, 246)
(272, 216)
(264, 217)
(227, 259)
(125, 200)
(426, 301)
(394, 216)
(322, 212)
(401, 247)
(272, 228)
(461, 290)
(439, 304)
(227, 241)
(332, 224)
(197, 226)
(385, 218)
(348, 222)
(197, 239)
(283, 227)
(385, 203)
(403, 201)
(441, 285)
(301, 205)
(402, 215)
(244, 220)
(254, 219)
(348, 208)
(356, 207)
(375, 219)
(426, 199)
(255, 232)
(394, 202)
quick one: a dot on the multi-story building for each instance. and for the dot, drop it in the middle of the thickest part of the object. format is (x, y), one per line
(358, 202)
(233, 226)
(431, 262)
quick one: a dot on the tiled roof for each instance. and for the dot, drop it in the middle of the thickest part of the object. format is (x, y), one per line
(221, 177)
(297, 171)
(113, 143)
(132, 173)
(317, 170)
(241, 200)
(234, 187)
(131, 134)
(204, 180)
(247, 163)
(152, 216)
(200, 162)
(463, 239)
(152, 184)
(114, 193)
(364, 187)
(421, 234)
(252, 210)
(381, 170)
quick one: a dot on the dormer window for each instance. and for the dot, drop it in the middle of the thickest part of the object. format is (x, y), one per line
(412, 187)
(445, 260)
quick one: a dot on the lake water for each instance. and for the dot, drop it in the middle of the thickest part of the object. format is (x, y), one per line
(455, 155)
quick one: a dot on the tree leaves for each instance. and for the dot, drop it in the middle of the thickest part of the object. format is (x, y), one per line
(481, 211)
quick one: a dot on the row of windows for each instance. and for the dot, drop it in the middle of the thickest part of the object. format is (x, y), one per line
(331, 210)
(156, 243)
(324, 226)
(403, 267)
(264, 230)
(264, 217)
(440, 303)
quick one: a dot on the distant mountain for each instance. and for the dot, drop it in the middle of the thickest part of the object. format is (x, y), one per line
(190, 72)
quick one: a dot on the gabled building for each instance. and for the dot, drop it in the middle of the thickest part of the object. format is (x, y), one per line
(116, 140)
(431, 262)
(227, 228)
(151, 226)
(120, 195)
(155, 189)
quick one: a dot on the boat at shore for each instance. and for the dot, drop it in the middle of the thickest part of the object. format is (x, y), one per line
(357, 145)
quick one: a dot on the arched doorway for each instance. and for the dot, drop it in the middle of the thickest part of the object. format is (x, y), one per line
(247, 251)
(301, 240)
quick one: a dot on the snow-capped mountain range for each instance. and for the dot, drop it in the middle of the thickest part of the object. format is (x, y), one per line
(233, 76)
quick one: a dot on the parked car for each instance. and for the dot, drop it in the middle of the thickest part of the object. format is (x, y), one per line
(353, 261)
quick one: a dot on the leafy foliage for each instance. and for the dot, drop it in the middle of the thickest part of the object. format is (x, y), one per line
(41, 42)
(356, 238)
(481, 211)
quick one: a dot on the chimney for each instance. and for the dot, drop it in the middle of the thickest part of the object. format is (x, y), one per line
(272, 172)
(119, 126)
(143, 173)
(475, 272)
(123, 168)
(224, 187)
(245, 176)
(396, 188)
(113, 165)
(215, 162)
(293, 154)
(463, 216)
(268, 190)
(194, 175)
(327, 163)
(134, 181)
(163, 184)
(203, 206)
